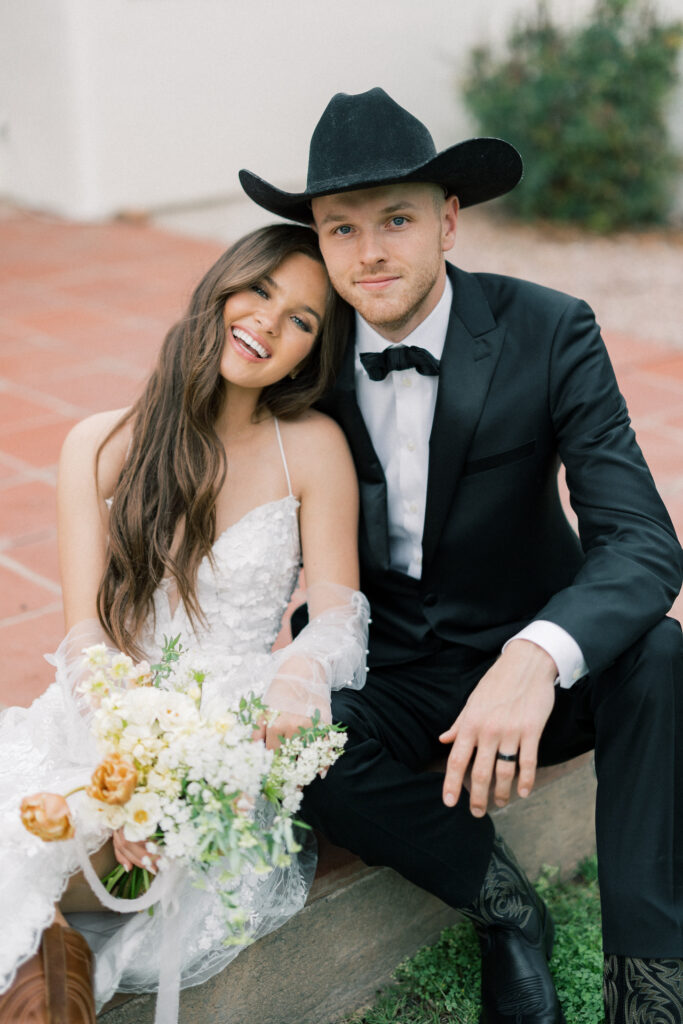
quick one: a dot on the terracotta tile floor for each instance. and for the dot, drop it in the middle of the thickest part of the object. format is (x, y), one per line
(83, 309)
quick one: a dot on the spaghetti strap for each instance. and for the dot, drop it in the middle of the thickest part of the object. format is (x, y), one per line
(282, 453)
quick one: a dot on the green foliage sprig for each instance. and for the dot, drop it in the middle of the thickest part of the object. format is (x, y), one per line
(586, 107)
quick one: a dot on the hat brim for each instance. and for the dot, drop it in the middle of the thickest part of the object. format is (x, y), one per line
(475, 170)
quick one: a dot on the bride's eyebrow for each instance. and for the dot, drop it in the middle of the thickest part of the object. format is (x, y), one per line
(306, 309)
(317, 316)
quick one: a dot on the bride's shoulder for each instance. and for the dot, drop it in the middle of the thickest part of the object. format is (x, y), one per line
(313, 433)
(317, 450)
(96, 437)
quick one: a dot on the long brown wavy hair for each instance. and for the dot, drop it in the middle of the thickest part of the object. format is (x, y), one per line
(176, 463)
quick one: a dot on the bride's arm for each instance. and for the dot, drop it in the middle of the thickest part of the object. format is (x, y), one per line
(81, 510)
(329, 506)
(330, 652)
(82, 537)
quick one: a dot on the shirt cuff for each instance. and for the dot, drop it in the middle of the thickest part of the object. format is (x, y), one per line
(561, 647)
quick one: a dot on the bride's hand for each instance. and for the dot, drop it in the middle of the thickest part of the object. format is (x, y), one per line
(292, 703)
(131, 855)
(284, 726)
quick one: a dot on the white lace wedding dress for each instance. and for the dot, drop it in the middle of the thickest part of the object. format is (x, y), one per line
(243, 595)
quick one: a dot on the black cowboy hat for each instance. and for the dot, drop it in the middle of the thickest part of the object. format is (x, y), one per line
(366, 140)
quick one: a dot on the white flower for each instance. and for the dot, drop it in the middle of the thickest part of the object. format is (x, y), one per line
(96, 656)
(141, 674)
(163, 783)
(224, 723)
(292, 802)
(97, 682)
(121, 667)
(142, 815)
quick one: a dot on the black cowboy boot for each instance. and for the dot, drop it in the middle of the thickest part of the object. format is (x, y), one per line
(638, 991)
(515, 933)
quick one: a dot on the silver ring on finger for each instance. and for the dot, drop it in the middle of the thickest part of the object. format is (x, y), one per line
(507, 757)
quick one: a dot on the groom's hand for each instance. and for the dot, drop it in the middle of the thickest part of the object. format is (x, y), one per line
(506, 713)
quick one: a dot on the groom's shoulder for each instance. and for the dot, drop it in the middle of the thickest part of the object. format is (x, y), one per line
(504, 291)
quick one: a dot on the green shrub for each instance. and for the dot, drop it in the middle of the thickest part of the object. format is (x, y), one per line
(586, 109)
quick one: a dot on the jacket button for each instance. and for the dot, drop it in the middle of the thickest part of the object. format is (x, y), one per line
(430, 600)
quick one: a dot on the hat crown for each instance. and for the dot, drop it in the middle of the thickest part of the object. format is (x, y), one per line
(367, 137)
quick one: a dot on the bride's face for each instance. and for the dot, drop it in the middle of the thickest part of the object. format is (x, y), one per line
(272, 326)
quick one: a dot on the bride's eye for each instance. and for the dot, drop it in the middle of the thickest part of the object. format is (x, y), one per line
(301, 324)
(260, 290)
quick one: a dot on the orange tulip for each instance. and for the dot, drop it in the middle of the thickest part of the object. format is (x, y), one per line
(47, 816)
(114, 780)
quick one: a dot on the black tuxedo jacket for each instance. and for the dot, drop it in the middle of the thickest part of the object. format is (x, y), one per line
(525, 384)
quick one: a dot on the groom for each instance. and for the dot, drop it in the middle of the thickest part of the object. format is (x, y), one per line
(496, 630)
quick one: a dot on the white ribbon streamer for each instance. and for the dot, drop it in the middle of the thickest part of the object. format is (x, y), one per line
(162, 891)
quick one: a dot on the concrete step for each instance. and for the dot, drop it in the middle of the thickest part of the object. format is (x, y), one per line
(360, 922)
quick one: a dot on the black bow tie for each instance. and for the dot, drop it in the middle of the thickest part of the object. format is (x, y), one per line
(399, 357)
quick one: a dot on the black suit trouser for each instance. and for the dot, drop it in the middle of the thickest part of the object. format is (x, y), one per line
(380, 802)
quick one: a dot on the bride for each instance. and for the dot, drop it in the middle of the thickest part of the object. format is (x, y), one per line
(189, 513)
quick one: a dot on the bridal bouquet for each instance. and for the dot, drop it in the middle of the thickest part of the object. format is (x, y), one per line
(196, 786)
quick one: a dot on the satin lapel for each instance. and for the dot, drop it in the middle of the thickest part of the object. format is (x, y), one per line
(471, 351)
(343, 406)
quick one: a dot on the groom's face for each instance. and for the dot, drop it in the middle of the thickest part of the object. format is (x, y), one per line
(384, 250)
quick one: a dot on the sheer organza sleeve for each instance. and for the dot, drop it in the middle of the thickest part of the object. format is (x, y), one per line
(70, 665)
(328, 654)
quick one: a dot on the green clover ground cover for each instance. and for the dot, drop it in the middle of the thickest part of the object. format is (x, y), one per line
(440, 985)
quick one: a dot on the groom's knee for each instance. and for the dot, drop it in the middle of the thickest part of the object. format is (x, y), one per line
(653, 666)
(643, 689)
(662, 645)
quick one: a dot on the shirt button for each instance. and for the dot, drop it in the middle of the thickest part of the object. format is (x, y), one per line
(410, 445)
(412, 507)
(406, 381)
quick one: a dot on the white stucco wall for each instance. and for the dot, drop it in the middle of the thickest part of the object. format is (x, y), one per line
(110, 105)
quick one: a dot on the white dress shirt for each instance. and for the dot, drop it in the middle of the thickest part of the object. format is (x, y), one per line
(398, 412)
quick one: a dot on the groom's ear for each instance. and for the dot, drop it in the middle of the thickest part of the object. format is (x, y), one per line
(449, 222)
(312, 223)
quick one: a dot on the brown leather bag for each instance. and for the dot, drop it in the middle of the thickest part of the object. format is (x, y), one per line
(55, 985)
